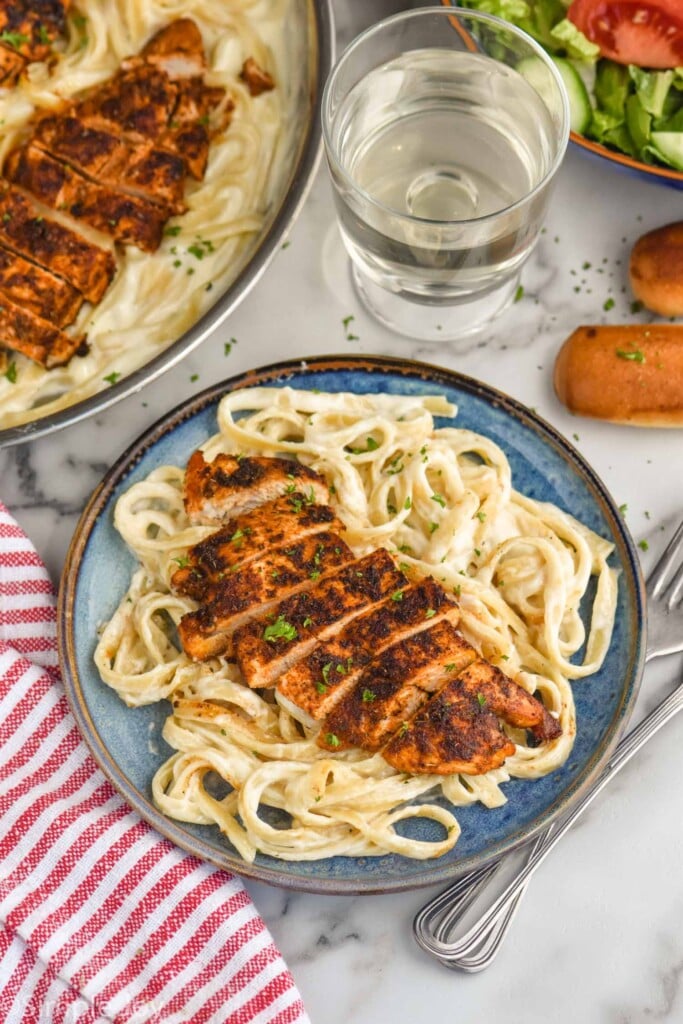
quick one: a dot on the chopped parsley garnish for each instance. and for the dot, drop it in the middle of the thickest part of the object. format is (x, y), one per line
(608, 304)
(404, 728)
(408, 503)
(280, 630)
(194, 377)
(643, 545)
(623, 509)
(15, 39)
(11, 373)
(182, 561)
(346, 320)
(481, 516)
(636, 356)
(227, 346)
(237, 536)
(439, 500)
(519, 294)
(200, 248)
(112, 378)
(314, 574)
(430, 613)
(433, 527)
(326, 671)
(451, 666)
(332, 740)
(321, 688)
(368, 696)
(482, 700)
(43, 34)
(308, 621)
(477, 552)
(397, 595)
(173, 231)
(457, 590)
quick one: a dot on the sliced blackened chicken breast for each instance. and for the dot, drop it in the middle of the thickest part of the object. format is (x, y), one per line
(141, 169)
(393, 687)
(11, 66)
(85, 266)
(128, 219)
(256, 78)
(230, 485)
(177, 49)
(459, 730)
(259, 586)
(37, 339)
(283, 521)
(37, 290)
(266, 647)
(138, 101)
(316, 683)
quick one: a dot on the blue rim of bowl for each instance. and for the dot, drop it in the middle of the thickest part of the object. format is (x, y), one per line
(302, 178)
(279, 372)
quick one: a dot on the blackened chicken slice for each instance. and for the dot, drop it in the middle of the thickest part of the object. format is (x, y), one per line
(256, 78)
(259, 586)
(316, 683)
(11, 65)
(191, 142)
(231, 485)
(37, 339)
(138, 101)
(128, 219)
(459, 730)
(29, 28)
(139, 168)
(37, 290)
(266, 647)
(85, 266)
(393, 687)
(283, 521)
(177, 49)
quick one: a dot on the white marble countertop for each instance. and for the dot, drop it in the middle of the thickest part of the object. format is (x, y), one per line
(599, 937)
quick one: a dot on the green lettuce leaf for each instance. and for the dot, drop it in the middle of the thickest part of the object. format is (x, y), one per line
(652, 88)
(612, 83)
(567, 37)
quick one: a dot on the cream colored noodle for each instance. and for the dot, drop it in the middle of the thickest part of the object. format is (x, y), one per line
(443, 500)
(155, 297)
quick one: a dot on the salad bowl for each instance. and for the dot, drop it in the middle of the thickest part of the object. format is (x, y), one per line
(622, 65)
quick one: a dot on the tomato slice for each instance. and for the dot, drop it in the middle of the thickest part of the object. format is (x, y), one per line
(644, 32)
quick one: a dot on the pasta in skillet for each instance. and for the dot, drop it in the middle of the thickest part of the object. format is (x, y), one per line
(155, 297)
(443, 500)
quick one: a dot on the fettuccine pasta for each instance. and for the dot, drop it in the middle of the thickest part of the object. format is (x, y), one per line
(443, 501)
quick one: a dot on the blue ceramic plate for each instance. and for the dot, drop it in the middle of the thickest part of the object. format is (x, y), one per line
(127, 742)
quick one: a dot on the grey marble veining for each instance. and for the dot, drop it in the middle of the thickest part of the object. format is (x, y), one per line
(599, 937)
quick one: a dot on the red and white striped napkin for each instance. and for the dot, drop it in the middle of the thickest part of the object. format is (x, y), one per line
(101, 920)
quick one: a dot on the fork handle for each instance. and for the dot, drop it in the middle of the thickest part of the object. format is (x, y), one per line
(459, 953)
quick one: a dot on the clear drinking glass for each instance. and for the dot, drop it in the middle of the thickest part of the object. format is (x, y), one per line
(443, 130)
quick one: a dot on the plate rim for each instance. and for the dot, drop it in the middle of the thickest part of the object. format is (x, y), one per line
(301, 181)
(434, 873)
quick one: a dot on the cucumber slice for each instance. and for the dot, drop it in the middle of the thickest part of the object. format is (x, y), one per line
(537, 75)
(668, 146)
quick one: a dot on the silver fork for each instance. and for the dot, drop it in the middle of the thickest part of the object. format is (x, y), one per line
(477, 948)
